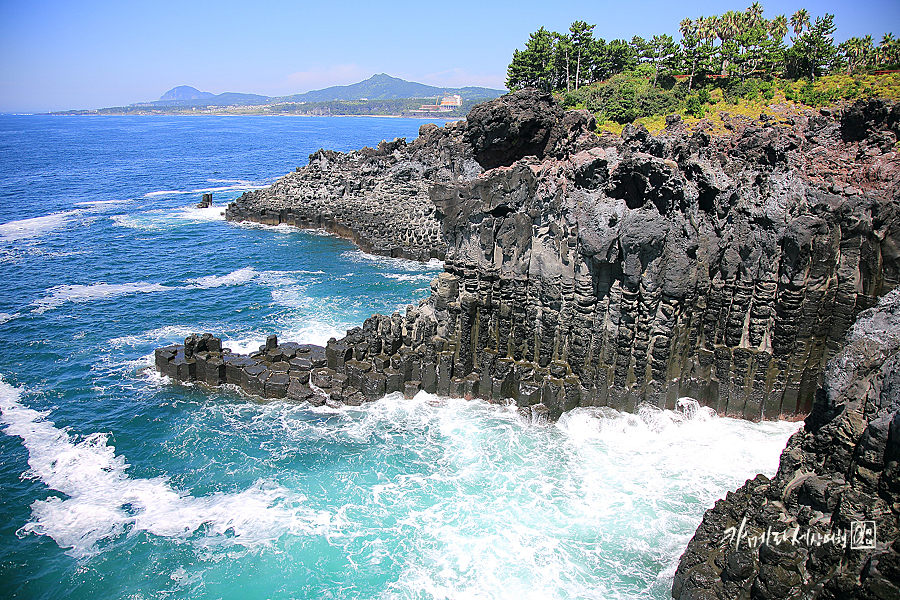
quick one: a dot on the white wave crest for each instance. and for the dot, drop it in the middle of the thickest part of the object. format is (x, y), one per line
(6, 317)
(104, 503)
(35, 226)
(59, 295)
(395, 264)
(237, 185)
(164, 193)
(408, 276)
(238, 277)
(162, 219)
(169, 332)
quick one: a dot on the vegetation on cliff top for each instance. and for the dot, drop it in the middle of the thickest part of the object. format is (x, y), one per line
(733, 63)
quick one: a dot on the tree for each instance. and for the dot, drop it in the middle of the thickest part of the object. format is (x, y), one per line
(612, 58)
(888, 51)
(582, 38)
(760, 41)
(690, 45)
(727, 28)
(814, 48)
(662, 48)
(562, 58)
(858, 52)
(533, 66)
(799, 20)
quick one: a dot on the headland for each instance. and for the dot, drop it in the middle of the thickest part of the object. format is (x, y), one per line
(600, 270)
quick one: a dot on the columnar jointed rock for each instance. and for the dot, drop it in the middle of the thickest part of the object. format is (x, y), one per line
(648, 268)
(586, 270)
(276, 371)
(833, 506)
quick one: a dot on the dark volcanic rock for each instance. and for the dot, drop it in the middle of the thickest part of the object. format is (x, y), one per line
(524, 123)
(651, 267)
(376, 197)
(803, 533)
(596, 271)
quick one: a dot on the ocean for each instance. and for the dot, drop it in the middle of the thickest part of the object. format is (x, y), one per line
(118, 483)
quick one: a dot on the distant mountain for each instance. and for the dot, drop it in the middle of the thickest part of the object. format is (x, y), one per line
(184, 92)
(385, 87)
(375, 88)
(185, 95)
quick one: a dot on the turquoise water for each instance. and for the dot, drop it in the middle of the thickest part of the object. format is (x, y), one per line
(117, 483)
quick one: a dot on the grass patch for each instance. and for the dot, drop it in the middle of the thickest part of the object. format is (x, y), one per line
(629, 99)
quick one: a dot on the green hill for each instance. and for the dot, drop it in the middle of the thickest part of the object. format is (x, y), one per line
(385, 87)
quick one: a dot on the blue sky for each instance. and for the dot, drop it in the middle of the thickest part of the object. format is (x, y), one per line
(57, 55)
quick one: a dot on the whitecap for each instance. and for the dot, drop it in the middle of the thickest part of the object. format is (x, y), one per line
(6, 317)
(237, 185)
(313, 330)
(161, 219)
(395, 264)
(242, 186)
(165, 193)
(100, 204)
(169, 332)
(237, 277)
(59, 295)
(235, 181)
(103, 503)
(408, 277)
(35, 226)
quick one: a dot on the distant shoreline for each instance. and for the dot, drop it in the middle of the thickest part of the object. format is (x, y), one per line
(193, 114)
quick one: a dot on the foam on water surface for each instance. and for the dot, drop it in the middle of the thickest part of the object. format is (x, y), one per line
(186, 491)
(35, 226)
(102, 502)
(169, 218)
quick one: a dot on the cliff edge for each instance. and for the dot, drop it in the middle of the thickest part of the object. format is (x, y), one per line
(602, 271)
(826, 525)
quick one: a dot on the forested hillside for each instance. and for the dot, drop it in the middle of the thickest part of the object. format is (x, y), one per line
(730, 57)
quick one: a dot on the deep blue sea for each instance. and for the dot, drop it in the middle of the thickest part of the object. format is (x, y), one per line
(118, 483)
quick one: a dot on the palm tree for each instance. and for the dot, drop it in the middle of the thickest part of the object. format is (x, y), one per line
(778, 27)
(888, 51)
(706, 29)
(727, 28)
(689, 42)
(858, 51)
(799, 20)
(754, 14)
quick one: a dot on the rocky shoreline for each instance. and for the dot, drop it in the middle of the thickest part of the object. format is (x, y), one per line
(585, 270)
(599, 271)
(826, 525)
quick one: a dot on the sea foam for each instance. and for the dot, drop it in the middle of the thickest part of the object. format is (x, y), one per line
(59, 295)
(35, 226)
(102, 502)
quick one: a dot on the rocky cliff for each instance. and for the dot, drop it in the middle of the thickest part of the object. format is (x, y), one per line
(377, 197)
(826, 525)
(588, 270)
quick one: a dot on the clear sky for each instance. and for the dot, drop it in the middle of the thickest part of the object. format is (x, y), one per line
(57, 55)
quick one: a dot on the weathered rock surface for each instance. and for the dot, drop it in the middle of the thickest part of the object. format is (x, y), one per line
(826, 525)
(376, 197)
(587, 270)
(275, 371)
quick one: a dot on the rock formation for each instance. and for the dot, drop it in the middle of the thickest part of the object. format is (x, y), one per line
(587, 270)
(376, 197)
(826, 525)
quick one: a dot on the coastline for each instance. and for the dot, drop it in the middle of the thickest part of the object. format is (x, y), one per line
(741, 364)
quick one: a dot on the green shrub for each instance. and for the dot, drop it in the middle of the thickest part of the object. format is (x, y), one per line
(695, 107)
